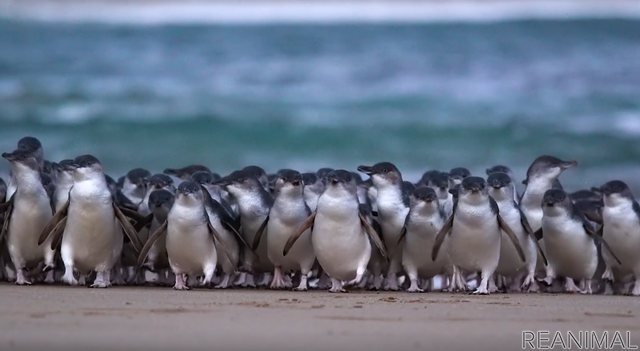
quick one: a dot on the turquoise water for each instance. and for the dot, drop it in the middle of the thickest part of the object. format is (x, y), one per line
(423, 96)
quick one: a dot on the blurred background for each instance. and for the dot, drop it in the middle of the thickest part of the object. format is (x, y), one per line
(424, 84)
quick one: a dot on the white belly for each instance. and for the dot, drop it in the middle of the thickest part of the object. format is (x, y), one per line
(417, 248)
(510, 262)
(622, 232)
(301, 252)
(475, 242)
(341, 246)
(91, 234)
(570, 252)
(190, 246)
(30, 215)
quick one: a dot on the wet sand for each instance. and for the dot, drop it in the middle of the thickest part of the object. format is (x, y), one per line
(141, 318)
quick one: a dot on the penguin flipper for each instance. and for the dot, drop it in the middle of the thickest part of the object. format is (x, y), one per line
(128, 229)
(150, 241)
(446, 228)
(600, 240)
(259, 232)
(145, 222)
(135, 215)
(538, 234)
(57, 233)
(218, 240)
(5, 226)
(373, 235)
(529, 231)
(53, 222)
(308, 223)
(505, 228)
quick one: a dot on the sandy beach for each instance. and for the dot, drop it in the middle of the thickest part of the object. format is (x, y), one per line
(127, 318)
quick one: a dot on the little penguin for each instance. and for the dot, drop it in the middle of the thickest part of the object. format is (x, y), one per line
(231, 251)
(475, 239)
(313, 188)
(89, 225)
(27, 212)
(393, 207)
(260, 174)
(134, 186)
(254, 203)
(542, 175)
(457, 175)
(621, 229)
(185, 173)
(289, 211)
(423, 223)
(340, 235)
(439, 182)
(159, 203)
(510, 266)
(190, 238)
(506, 170)
(32, 146)
(572, 246)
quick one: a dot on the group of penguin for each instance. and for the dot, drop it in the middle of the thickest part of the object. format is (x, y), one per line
(69, 222)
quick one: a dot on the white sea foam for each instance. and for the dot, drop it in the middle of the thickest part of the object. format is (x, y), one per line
(260, 12)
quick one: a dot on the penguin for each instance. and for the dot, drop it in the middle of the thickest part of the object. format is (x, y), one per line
(259, 174)
(229, 230)
(152, 183)
(32, 146)
(313, 188)
(621, 229)
(341, 236)
(510, 266)
(254, 203)
(288, 212)
(506, 170)
(185, 173)
(134, 185)
(27, 212)
(207, 180)
(439, 181)
(425, 219)
(572, 246)
(393, 207)
(159, 203)
(475, 239)
(89, 226)
(64, 176)
(457, 175)
(190, 238)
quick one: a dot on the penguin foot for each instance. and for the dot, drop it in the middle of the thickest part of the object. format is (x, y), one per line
(636, 289)
(546, 281)
(21, 277)
(50, 278)
(180, 284)
(570, 286)
(414, 288)
(338, 290)
(607, 275)
(479, 292)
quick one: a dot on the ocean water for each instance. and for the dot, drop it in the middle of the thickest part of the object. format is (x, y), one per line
(432, 95)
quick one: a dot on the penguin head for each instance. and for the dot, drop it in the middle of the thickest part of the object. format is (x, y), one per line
(557, 198)
(616, 192)
(457, 175)
(500, 186)
(499, 169)
(239, 183)
(86, 166)
(258, 173)
(160, 198)
(472, 185)
(289, 182)
(383, 174)
(547, 168)
(160, 181)
(33, 146)
(185, 172)
(22, 161)
(189, 192)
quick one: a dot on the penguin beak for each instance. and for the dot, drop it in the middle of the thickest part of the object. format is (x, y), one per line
(568, 164)
(8, 156)
(223, 182)
(366, 170)
(496, 184)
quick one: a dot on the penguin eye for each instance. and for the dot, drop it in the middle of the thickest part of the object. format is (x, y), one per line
(384, 170)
